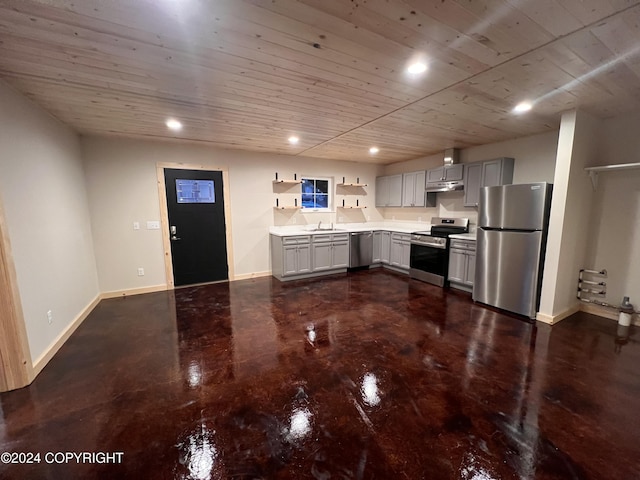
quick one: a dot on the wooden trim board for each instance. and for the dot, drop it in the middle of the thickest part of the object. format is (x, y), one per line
(164, 214)
(16, 369)
(248, 276)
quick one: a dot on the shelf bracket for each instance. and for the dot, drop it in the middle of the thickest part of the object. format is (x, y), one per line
(593, 175)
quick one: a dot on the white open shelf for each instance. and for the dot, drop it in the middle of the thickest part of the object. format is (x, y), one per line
(594, 171)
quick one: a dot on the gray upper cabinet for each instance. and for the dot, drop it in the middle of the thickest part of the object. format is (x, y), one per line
(472, 183)
(413, 189)
(491, 173)
(389, 191)
(497, 172)
(446, 173)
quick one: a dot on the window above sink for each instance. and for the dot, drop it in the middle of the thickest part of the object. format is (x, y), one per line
(316, 194)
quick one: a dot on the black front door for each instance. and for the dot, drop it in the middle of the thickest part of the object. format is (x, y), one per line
(195, 206)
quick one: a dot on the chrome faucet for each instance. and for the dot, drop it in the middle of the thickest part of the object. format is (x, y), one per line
(319, 224)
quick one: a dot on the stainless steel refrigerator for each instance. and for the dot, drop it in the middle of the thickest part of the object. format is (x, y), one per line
(511, 240)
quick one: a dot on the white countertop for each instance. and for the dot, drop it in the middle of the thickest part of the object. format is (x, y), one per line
(464, 236)
(289, 230)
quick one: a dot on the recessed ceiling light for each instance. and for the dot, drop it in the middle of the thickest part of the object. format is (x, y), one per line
(374, 150)
(416, 68)
(522, 107)
(293, 140)
(174, 125)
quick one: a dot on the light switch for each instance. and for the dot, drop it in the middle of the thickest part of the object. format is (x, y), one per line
(153, 225)
(136, 225)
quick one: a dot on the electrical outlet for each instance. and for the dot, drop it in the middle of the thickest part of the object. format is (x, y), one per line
(140, 272)
(136, 225)
(50, 316)
(153, 225)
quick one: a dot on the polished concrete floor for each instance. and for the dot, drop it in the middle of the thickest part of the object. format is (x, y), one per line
(358, 376)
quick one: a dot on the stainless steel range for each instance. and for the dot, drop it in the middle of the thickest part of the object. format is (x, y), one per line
(429, 259)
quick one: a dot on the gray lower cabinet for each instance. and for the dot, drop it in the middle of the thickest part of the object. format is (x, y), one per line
(462, 264)
(377, 247)
(385, 247)
(301, 256)
(330, 251)
(296, 260)
(295, 256)
(381, 246)
(491, 173)
(400, 250)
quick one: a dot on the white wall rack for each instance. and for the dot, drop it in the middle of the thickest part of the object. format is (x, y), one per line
(594, 171)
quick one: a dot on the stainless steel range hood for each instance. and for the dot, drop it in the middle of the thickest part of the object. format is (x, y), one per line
(435, 187)
(449, 177)
(451, 156)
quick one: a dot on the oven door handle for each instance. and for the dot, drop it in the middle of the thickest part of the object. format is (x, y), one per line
(441, 247)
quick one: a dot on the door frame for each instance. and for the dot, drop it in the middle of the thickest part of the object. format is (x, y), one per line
(164, 214)
(16, 369)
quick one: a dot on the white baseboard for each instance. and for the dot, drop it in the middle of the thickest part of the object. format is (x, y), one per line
(161, 288)
(133, 291)
(48, 354)
(247, 276)
(553, 319)
(594, 309)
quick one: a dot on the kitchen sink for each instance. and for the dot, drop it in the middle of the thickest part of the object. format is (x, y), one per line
(328, 230)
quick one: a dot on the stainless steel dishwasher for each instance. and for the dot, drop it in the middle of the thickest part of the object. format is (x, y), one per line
(361, 249)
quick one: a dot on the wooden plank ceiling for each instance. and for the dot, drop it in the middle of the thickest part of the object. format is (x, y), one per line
(248, 74)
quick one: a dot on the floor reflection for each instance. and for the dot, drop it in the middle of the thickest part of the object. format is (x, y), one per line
(369, 390)
(199, 456)
(367, 375)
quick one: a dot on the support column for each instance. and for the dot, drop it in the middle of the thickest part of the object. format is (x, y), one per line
(571, 208)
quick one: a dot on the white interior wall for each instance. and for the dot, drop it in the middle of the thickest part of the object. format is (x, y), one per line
(43, 193)
(121, 183)
(620, 142)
